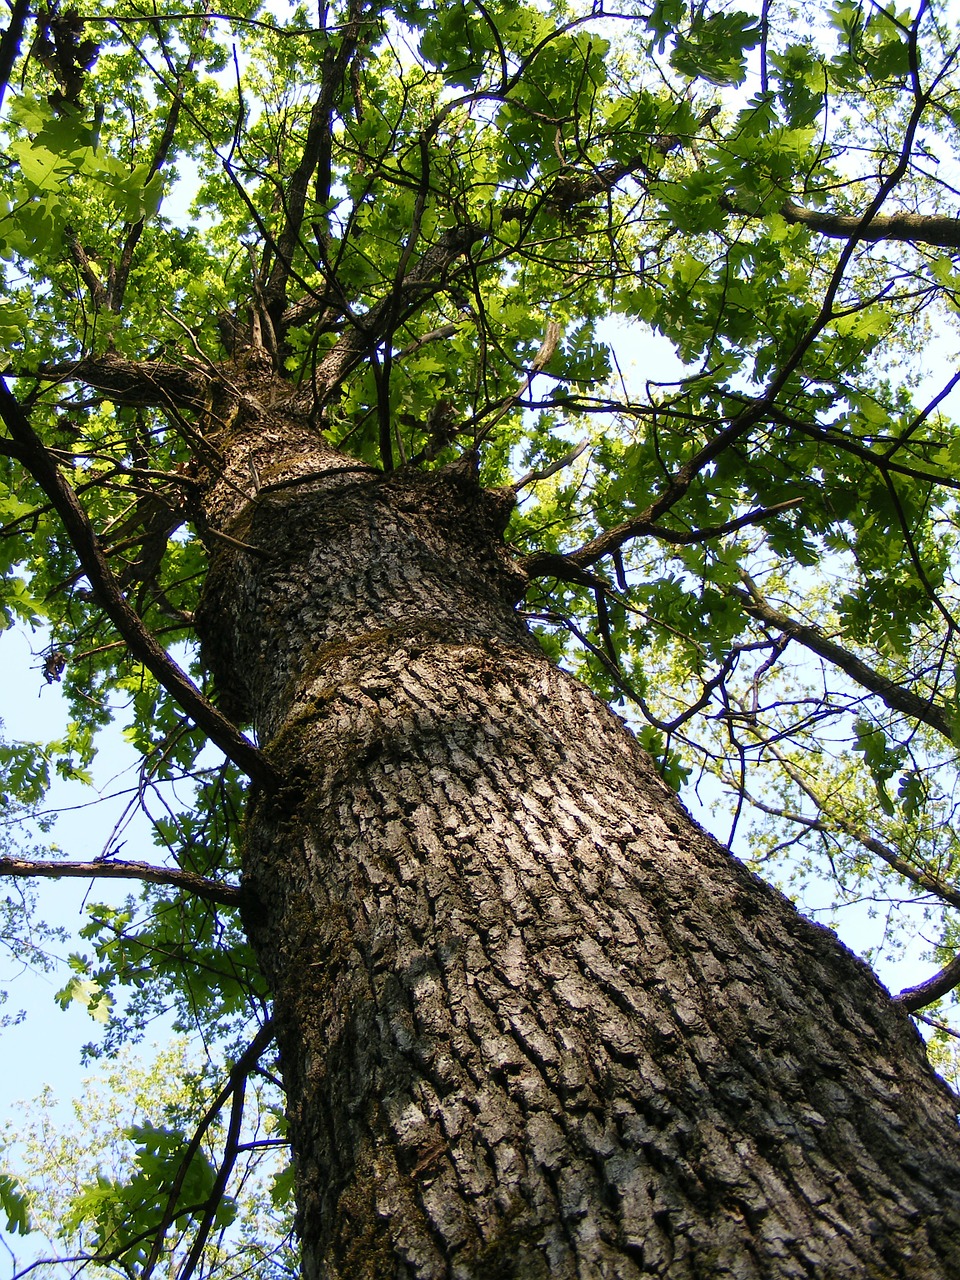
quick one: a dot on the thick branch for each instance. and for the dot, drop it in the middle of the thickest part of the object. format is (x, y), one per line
(315, 152)
(30, 451)
(226, 895)
(134, 382)
(10, 42)
(366, 330)
(532, 477)
(445, 331)
(811, 637)
(925, 993)
(915, 228)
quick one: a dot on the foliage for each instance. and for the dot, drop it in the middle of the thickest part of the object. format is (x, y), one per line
(752, 553)
(95, 1175)
(26, 939)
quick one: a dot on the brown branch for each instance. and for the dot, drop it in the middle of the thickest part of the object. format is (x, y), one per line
(98, 290)
(883, 462)
(423, 279)
(569, 189)
(501, 408)
(911, 998)
(304, 310)
(689, 537)
(893, 695)
(231, 1149)
(235, 1085)
(226, 895)
(610, 542)
(134, 231)
(938, 1025)
(28, 448)
(10, 42)
(826, 312)
(132, 382)
(919, 876)
(445, 331)
(316, 151)
(533, 477)
(612, 539)
(914, 228)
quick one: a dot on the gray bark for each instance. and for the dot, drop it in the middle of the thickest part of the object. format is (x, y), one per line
(533, 1021)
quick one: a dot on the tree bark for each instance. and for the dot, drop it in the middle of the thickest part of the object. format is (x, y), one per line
(533, 1021)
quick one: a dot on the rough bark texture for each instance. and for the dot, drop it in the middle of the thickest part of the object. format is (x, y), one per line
(533, 1021)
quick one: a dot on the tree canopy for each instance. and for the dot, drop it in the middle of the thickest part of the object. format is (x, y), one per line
(451, 229)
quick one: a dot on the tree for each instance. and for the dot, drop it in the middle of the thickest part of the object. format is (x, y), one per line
(333, 472)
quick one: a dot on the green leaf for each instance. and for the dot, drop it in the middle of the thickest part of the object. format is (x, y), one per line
(14, 1206)
(716, 46)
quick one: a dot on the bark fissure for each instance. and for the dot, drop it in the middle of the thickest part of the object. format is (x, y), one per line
(533, 1021)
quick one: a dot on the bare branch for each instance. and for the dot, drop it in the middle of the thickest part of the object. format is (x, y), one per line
(226, 895)
(893, 695)
(925, 993)
(435, 335)
(532, 477)
(914, 228)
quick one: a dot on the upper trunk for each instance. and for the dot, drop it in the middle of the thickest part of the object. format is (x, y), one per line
(533, 1021)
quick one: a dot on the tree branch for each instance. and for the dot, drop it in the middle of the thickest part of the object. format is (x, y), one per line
(133, 382)
(534, 476)
(135, 230)
(29, 449)
(235, 1084)
(98, 290)
(612, 540)
(445, 331)
(225, 895)
(10, 42)
(919, 876)
(811, 637)
(914, 228)
(315, 150)
(405, 297)
(925, 993)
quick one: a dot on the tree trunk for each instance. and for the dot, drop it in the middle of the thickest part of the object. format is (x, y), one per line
(533, 1021)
